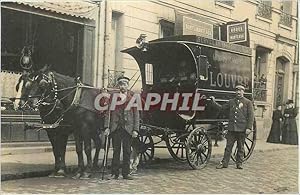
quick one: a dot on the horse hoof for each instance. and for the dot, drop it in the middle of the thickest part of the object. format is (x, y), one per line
(60, 173)
(85, 176)
(77, 176)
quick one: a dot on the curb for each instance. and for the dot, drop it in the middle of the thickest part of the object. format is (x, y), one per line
(41, 173)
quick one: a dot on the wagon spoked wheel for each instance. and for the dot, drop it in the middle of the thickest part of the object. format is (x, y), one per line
(248, 145)
(198, 148)
(176, 146)
(175, 143)
(145, 147)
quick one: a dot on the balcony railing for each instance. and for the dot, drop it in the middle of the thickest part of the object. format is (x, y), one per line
(230, 3)
(285, 19)
(264, 10)
(260, 91)
(113, 75)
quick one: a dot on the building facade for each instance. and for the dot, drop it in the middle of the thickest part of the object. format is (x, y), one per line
(272, 30)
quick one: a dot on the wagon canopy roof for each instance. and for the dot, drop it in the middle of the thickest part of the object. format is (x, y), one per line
(187, 41)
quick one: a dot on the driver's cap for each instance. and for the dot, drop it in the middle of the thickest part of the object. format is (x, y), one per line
(241, 87)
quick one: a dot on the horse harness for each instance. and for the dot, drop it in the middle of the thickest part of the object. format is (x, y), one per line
(55, 101)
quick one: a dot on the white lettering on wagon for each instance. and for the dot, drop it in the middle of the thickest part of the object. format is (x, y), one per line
(223, 80)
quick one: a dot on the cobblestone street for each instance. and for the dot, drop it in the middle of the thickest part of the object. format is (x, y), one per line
(265, 172)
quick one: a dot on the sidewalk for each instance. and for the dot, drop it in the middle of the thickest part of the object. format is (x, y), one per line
(40, 162)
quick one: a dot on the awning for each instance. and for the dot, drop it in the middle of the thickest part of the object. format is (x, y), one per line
(79, 9)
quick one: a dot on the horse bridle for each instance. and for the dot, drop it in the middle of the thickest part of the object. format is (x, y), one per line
(49, 80)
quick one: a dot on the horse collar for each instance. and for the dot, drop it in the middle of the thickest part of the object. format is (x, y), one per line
(53, 83)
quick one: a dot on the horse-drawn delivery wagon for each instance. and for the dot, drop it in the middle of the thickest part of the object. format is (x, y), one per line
(178, 76)
(190, 68)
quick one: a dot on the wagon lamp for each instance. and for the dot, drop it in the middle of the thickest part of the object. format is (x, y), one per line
(142, 43)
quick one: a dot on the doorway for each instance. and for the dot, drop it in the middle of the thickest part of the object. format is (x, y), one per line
(280, 76)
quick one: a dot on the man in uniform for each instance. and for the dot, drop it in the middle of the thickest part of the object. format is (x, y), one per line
(124, 125)
(241, 118)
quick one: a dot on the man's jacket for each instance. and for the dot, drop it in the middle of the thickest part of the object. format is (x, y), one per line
(241, 114)
(130, 121)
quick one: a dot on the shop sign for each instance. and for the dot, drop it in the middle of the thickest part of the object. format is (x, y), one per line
(196, 27)
(236, 33)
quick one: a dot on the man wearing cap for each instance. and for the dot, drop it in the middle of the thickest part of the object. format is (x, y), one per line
(124, 125)
(241, 117)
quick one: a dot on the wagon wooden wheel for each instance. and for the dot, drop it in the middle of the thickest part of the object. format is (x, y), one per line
(176, 146)
(145, 146)
(175, 143)
(198, 148)
(248, 145)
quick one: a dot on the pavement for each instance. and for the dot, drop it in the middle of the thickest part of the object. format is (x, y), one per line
(26, 161)
(267, 172)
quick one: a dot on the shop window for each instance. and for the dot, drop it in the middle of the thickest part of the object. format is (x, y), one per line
(14, 35)
(166, 28)
(260, 74)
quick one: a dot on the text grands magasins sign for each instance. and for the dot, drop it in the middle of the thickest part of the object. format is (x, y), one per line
(196, 27)
(237, 33)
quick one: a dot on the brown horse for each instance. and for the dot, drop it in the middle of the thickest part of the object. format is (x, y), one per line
(54, 95)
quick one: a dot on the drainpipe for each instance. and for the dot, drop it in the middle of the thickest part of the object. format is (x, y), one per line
(106, 46)
(98, 43)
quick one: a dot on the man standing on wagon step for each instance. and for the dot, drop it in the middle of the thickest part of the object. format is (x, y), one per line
(124, 125)
(241, 118)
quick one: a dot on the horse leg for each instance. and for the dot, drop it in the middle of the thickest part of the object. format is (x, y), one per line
(63, 140)
(53, 140)
(78, 142)
(97, 142)
(88, 152)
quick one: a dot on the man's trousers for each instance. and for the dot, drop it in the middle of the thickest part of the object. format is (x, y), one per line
(121, 137)
(231, 138)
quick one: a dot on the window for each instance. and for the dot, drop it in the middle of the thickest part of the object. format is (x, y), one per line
(166, 28)
(229, 3)
(216, 32)
(264, 9)
(285, 16)
(203, 67)
(117, 27)
(260, 74)
(149, 74)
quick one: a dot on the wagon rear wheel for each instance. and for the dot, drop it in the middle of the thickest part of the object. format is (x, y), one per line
(198, 148)
(248, 145)
(146, 148)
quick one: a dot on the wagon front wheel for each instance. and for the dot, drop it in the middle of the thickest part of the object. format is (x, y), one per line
(176, 146)
(198, 148)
